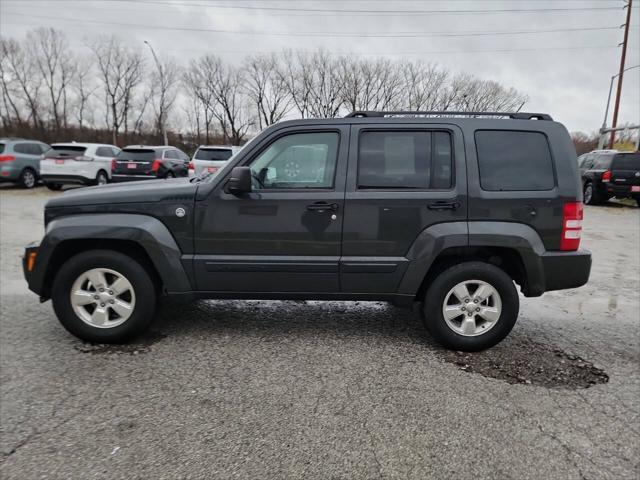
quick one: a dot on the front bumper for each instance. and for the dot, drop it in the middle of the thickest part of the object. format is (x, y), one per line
(29, 265)
(564, 270)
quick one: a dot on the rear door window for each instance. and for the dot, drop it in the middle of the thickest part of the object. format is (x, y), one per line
(104, 152)
(27, 148)
(172, 154)
(602, 162)
(213, 154)
(396, 159)
(1, 147)
(512, 160)
(626, 161)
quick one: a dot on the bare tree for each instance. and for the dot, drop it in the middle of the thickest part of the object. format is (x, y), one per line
(199, 80)
(422, 85)
(21, 83)
(83, 89)
(121, 71)
(50, 52)
(267, 89)
(231, 110)
(164, 82)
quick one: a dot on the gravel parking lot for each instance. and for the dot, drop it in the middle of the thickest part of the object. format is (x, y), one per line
(228, 389)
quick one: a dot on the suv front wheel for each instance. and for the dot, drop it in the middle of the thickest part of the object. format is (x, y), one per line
(471, 306)
(103, 296)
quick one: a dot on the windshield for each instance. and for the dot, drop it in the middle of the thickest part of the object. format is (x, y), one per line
(626, 161)
(213, 154)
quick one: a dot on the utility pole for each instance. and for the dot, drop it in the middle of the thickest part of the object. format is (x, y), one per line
(614, 123)
(159, 66)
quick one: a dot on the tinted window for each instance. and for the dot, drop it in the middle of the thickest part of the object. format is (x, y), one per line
(141, 154)
(213, 154)
(104, 152)
(396, 159)
(602, 162)
(626, 161)
(27, 148)
(171, 154)
(510, 160)
(301, 160)
(1, 147)
(65, 151)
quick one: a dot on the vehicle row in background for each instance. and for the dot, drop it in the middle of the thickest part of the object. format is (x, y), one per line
(20, 161)
(26, 162)
(610, 173)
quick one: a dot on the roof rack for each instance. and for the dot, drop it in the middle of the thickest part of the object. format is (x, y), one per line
(513, 115)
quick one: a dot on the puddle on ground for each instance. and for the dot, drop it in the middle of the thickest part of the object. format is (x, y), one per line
(529, 363)
(140, 345)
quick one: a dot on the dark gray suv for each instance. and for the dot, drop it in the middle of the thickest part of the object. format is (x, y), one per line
(450, 210)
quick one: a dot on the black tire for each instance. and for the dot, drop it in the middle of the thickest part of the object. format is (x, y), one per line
(143, 286)
(102, 178)
(439, 289)
(28, 178)
(591, 195)
(54, 186)
(170, 175)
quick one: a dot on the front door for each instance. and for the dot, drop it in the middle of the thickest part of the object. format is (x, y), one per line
(402, 179)
(284, 236)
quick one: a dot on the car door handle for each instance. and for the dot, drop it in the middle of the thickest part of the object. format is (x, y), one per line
(322, 207)
(443, 206)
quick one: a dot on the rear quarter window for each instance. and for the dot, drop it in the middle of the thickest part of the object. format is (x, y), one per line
(1, 147)
(512, 160)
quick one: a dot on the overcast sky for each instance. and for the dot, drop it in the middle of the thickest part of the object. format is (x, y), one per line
(565, 71)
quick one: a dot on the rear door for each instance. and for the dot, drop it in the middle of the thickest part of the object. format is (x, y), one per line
(135, 161)
(625, 171)
(103, 156)
(402, 179)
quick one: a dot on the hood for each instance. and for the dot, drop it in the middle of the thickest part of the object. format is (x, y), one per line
(147, 191)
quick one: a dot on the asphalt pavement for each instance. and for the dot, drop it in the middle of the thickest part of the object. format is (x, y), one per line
(230, 389)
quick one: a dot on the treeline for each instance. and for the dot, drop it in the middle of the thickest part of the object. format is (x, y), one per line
(120, 93)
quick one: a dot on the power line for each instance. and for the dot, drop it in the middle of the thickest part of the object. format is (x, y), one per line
(316, 34)
(370, 11)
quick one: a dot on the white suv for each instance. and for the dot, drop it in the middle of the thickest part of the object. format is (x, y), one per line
(208, 159)
(77, 163)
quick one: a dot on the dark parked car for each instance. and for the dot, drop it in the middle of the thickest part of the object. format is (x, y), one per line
(609, 173)
(436, 208)
(149, 163)
(20, 161)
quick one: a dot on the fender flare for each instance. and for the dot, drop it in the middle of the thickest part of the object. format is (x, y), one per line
(148, 232)
(515, 236)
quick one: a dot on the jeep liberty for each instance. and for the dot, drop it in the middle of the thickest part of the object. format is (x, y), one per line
(447, 209)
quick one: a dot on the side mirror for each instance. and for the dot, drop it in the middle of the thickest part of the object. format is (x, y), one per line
(240, 180)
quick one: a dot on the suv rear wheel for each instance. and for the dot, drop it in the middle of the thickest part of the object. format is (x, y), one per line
(28, 178)
(103, 296)
(471, 306)
(102, 178)
(590, 195)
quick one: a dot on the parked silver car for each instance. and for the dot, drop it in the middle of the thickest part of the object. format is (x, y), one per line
(208, 159)
(20, 161)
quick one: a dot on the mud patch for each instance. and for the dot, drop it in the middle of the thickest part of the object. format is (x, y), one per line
(139, 346)
(530, 363)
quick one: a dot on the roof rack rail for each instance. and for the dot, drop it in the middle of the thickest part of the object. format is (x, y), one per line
(513, 115)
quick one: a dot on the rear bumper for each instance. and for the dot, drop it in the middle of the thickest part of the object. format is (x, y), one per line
(9, 173)
(564, 270)
(620, 191)
(118, 177)
(66, 179)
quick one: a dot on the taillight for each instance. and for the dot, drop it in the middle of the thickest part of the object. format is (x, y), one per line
(114, 164)
(190, 166)
(155, 166)
(571, 226)
(606, 176)
(7, 158)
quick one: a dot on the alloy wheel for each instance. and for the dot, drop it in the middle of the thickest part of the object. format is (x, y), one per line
(472, 307)
(103, 298)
